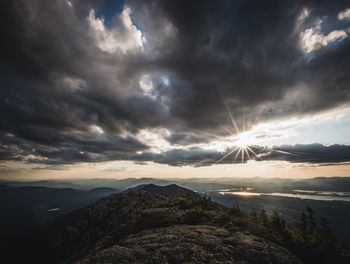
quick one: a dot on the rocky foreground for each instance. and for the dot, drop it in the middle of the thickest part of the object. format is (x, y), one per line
(192, 244)
(148, 225)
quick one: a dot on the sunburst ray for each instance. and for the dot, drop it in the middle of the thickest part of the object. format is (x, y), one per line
(247, 152)
(239, 149)
(226, 155)
(244, 150)
(204, 133)
(231, 117)
(242, 154)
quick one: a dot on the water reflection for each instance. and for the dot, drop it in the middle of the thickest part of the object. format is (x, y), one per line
(299, 194)
(241, 193)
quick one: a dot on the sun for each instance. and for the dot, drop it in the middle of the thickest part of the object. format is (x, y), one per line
(241, 144)
(241, 141)
(241, 149)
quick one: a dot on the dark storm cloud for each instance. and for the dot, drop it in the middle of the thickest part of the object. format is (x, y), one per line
(196, 157)
(309, 153)
(300, 153)
(249, 52)
(185, 139)
(67, 94)
(74, 149)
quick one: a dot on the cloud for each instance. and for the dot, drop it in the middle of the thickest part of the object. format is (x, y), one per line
(313, 38)
(309, 153)
(344, 15)
(76, 88)
(300, 153)
(186, 139)
(129, 149)
(123, 35)
(195, 157)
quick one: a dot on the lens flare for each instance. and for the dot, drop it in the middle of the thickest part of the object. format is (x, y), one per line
(241, 144)
(241, 141)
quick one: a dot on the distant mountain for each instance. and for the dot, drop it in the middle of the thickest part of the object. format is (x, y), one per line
(198, 184)
(340, 184)
(26, 212)
(102, 191)
(33, 203)
(171, 190)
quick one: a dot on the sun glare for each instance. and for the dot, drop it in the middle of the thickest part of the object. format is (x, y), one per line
(243, 140)
(240, 144)
(245, 193)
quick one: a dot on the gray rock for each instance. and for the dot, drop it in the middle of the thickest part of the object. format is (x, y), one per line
(192, 244)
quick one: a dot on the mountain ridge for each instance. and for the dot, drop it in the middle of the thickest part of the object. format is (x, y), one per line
(97, 233)
(171, 189)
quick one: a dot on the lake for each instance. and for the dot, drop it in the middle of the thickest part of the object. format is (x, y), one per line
(298, 194)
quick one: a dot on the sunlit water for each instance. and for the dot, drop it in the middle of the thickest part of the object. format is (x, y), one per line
(299, 194)
(311, 196)
(54, 209)
(324, 192)
(241, 193)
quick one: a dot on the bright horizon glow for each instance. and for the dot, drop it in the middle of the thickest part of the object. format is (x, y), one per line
(128, 169)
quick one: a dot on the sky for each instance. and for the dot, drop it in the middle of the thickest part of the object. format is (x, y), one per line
(116, 89)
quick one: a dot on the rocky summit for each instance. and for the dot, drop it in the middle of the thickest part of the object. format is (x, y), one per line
(158, 226)
(192, 244)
